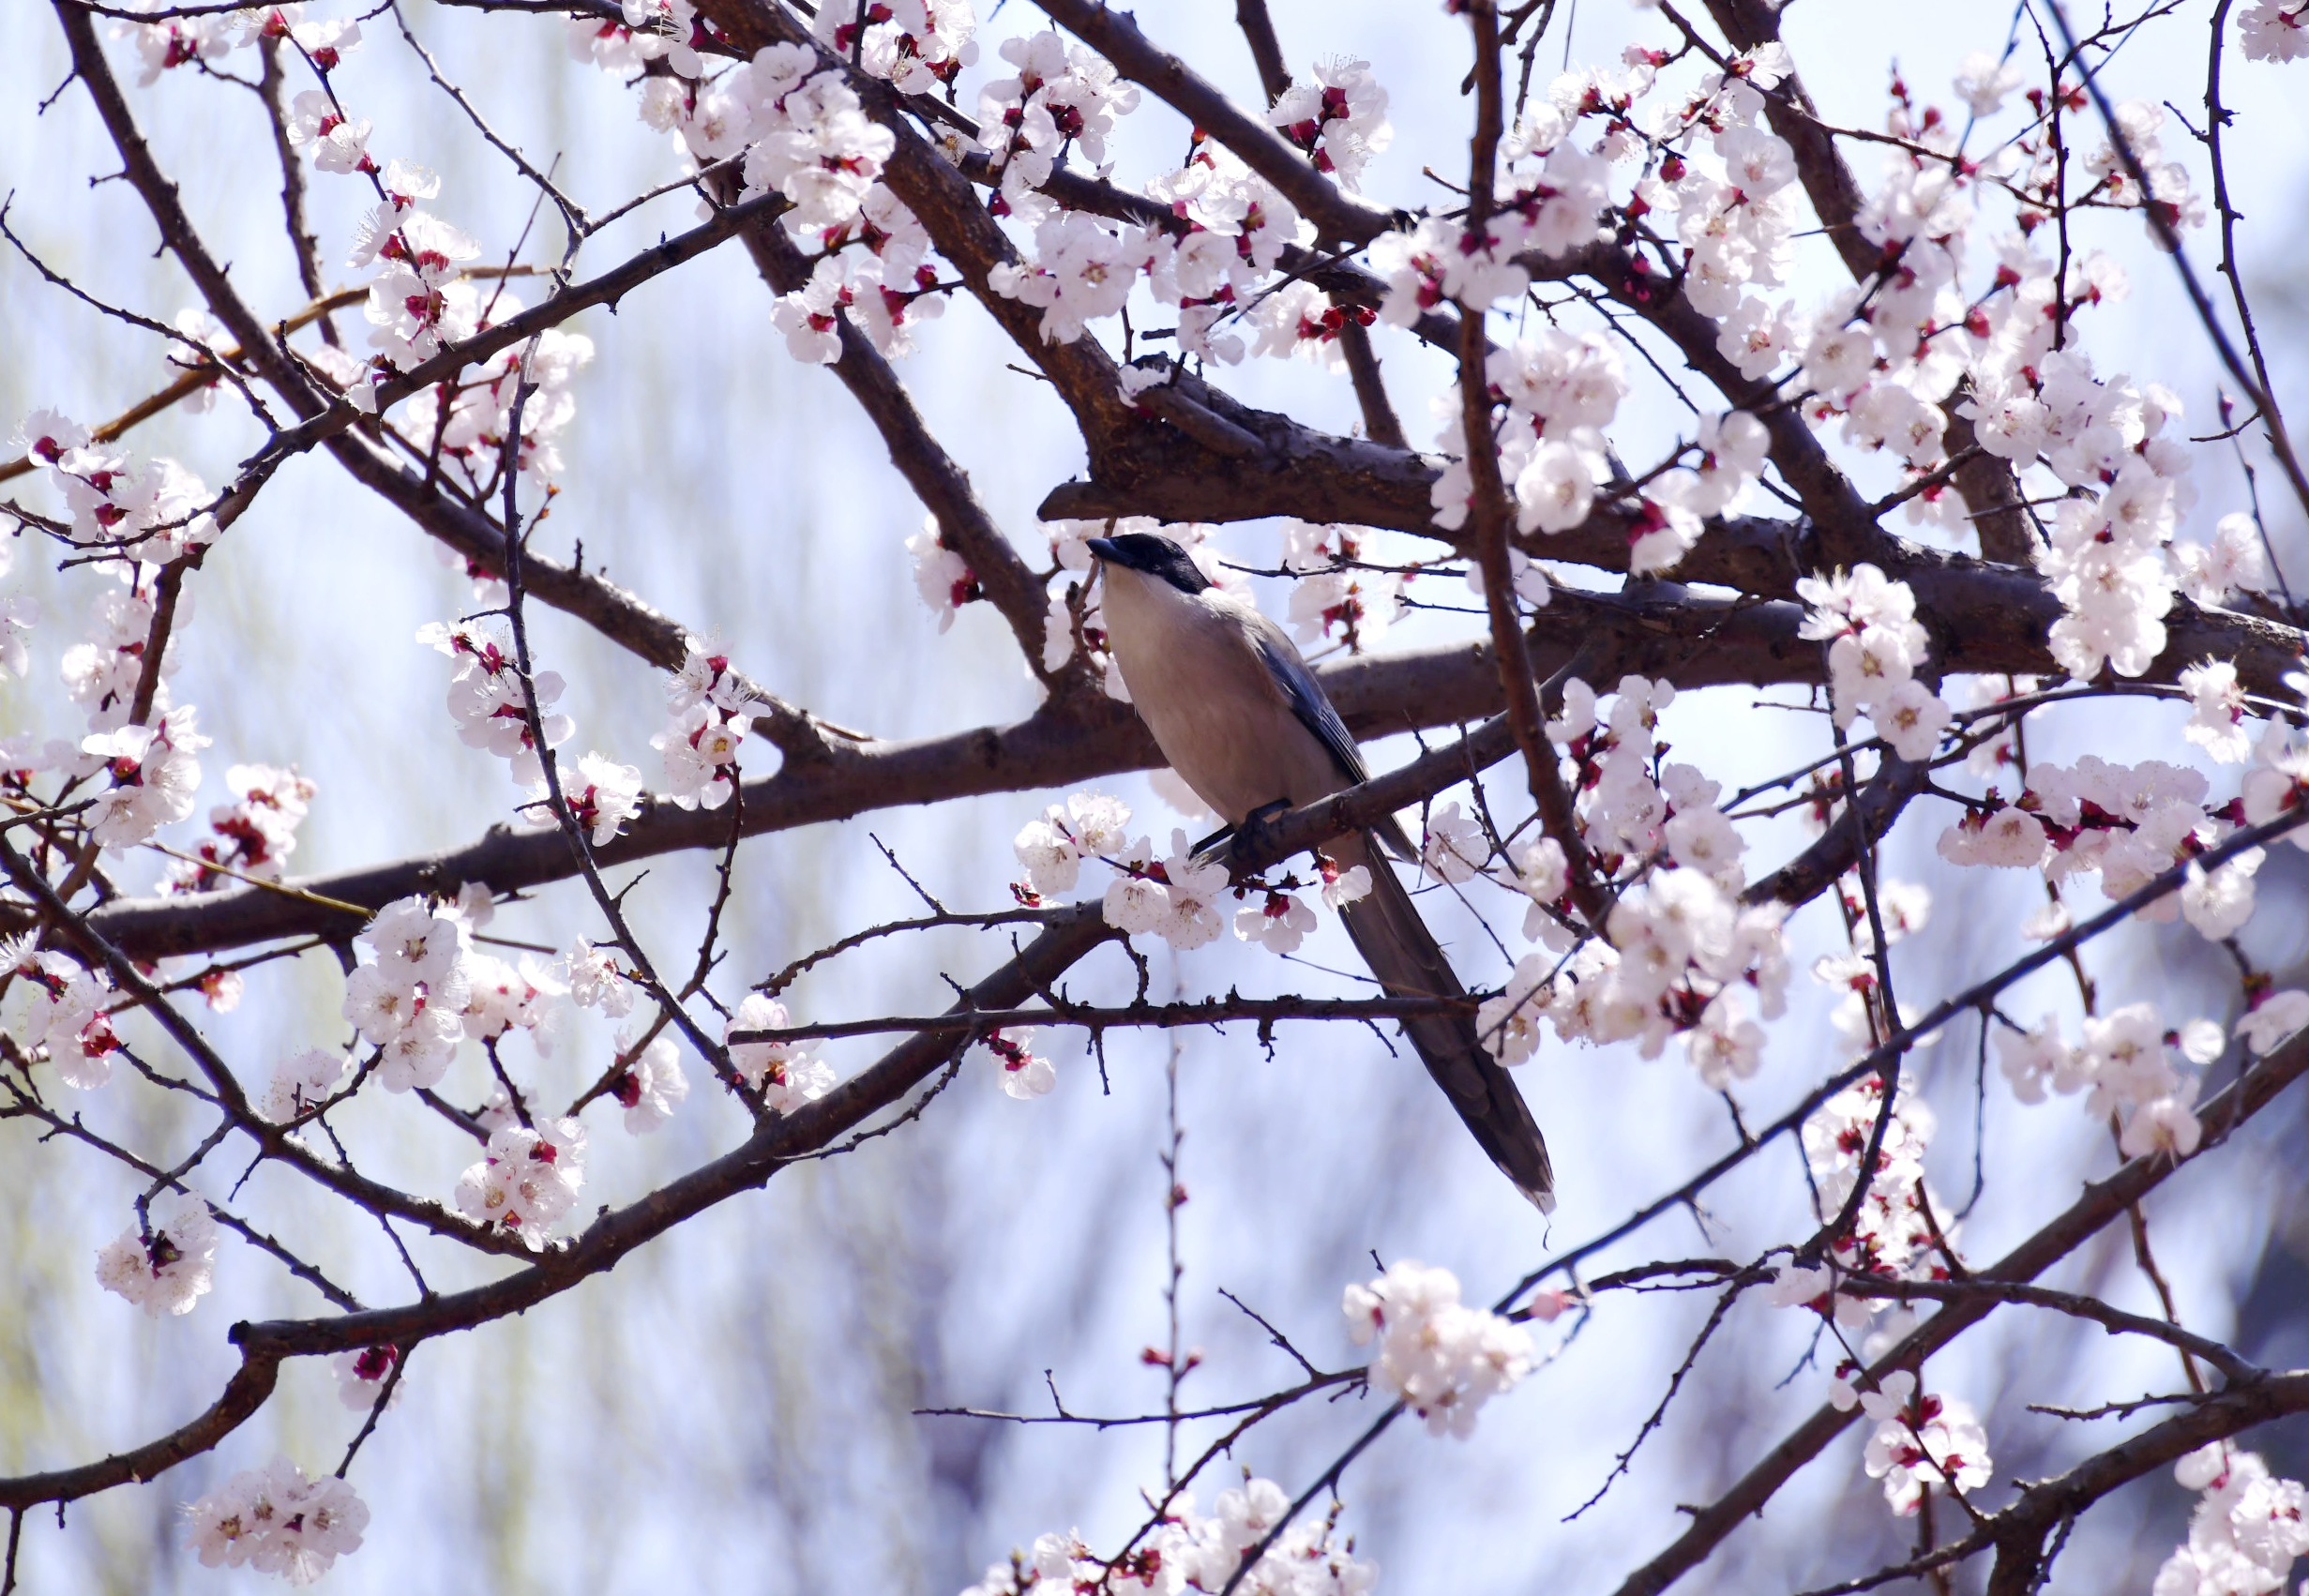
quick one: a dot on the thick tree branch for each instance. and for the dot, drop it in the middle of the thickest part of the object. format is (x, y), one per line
(1692, 642)
(249, 1390)
(1266, 49)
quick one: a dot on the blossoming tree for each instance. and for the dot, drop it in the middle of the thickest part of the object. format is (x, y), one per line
(2046, 535)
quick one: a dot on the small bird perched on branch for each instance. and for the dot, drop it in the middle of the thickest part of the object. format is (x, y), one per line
(1241, 718)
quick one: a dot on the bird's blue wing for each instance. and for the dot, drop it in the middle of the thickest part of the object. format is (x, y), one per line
(1308, 701)
(1313, 708)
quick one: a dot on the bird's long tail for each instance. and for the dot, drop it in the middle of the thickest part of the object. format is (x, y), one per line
(1386, 928)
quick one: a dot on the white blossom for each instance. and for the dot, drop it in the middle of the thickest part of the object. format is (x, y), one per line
(361, 1376)
(2247, 1532)
(528, 1178)
(1022, 1072)
(1443, 1358)
(302, 1083)
(786, 1073)
(652, 1085)
(164, 1263)
(278, 1522)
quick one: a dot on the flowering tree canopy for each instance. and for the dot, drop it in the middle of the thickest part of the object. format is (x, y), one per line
(1745, 511)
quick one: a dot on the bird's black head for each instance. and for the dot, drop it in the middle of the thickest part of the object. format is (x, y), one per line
(1155, 555)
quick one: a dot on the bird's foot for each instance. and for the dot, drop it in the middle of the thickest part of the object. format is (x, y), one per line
(1250, 836)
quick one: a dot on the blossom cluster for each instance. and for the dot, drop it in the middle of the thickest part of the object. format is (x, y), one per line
(706, 718)
(1736, 230)
(2109, 561)
(421, 298)
(1176, 897)
(786, 1073)
(61, 1012)
(1901, 1231)
(1339, 115)
(155, 776)
(424, 988)
(427, 987)
(2141, 126)
(917, 46)
(140, 516)
(1677, 954)
(165, 1261)
(2125, 1060)
(151, 766)
(410, 1000)
(487, 702)
(472, 417)
(802, 133)
(153, 511)
(1052, 850)
(1884, 357)
(651, 1086)
(178, 42)
(528, 1178)
(1334, 592)
(1561, 389)
(1921, 1441)
(1612, 755)
(2129, 824)
(1230, 228)
(302, 1083)
(1187, 1552)
(276, 1521)
(1550, 194)
(1681, 952)
(1180, 896)
(102, 671)
(644, 31)
(2273, 30)
(1859, 1019)
(1445, 1358)
(1226, 233)
(485, 697)
(254, 834)
(1875, 644)
(2248, 1530)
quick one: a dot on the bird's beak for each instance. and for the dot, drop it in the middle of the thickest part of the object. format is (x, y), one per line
(1104, 547)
